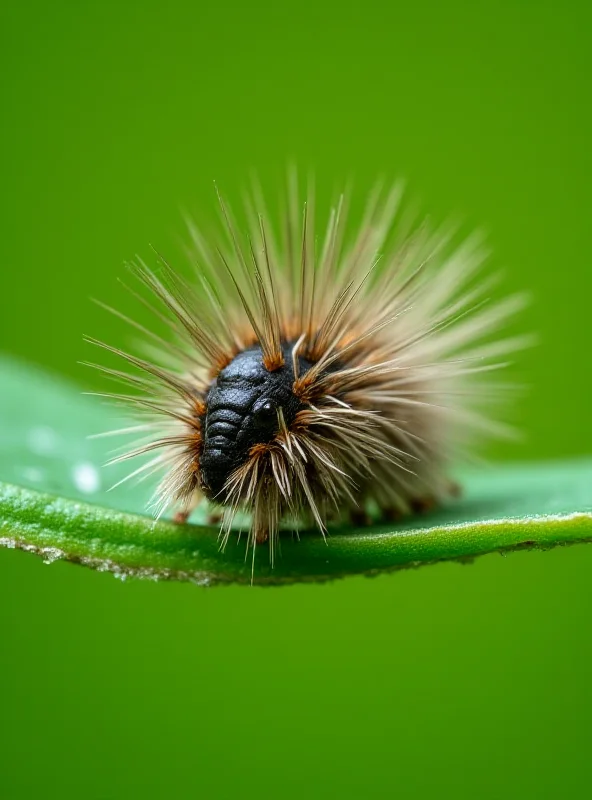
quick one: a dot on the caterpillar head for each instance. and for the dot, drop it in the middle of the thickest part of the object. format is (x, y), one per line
(244, 405)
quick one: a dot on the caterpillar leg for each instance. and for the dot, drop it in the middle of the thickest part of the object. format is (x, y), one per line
(261, 535)
(180, 517)
(360, 517)
(454, 489)
(422, 505)
(391, 514)
(426, 503)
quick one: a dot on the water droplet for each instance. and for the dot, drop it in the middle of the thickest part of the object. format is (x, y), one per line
(86, 478)
(33, 474)
(42, 440)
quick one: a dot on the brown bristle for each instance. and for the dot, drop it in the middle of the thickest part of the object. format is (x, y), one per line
(300, 422)
(259, 450)
(303, 388)
(199, 409)
(314, 352)
(219, 364)
(273, 361)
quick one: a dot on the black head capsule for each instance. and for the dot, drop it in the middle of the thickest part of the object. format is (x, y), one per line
(242, 408)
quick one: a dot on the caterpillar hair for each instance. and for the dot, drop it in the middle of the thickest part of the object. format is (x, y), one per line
(309, 376)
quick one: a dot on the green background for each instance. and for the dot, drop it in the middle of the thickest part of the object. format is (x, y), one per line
(449, 681)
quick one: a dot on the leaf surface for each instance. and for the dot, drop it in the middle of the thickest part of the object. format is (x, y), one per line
(54, 501)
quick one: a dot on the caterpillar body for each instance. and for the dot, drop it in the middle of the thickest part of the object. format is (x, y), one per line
(307, 375)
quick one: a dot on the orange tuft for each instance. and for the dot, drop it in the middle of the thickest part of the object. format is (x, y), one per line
(220, 363)
(259, 450)
(300, 423)
(273, 362)
(199, 408)
(248, 337)
(314, 352)
(303, 387)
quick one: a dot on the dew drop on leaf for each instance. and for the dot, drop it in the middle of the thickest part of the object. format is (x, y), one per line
(86, 478)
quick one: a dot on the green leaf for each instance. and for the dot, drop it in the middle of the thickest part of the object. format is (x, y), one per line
(45, 451)
(44, 442)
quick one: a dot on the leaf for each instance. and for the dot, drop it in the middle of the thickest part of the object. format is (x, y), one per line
(506, 508)
(44, 442)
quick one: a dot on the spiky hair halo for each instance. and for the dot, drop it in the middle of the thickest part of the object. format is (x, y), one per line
(306, 376)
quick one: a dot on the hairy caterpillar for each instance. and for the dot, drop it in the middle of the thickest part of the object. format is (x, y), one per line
(308, 374)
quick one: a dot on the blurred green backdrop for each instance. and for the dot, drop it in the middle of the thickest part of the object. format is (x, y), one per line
(450, 681)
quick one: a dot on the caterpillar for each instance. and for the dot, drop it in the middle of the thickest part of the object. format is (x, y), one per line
(307, 374)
